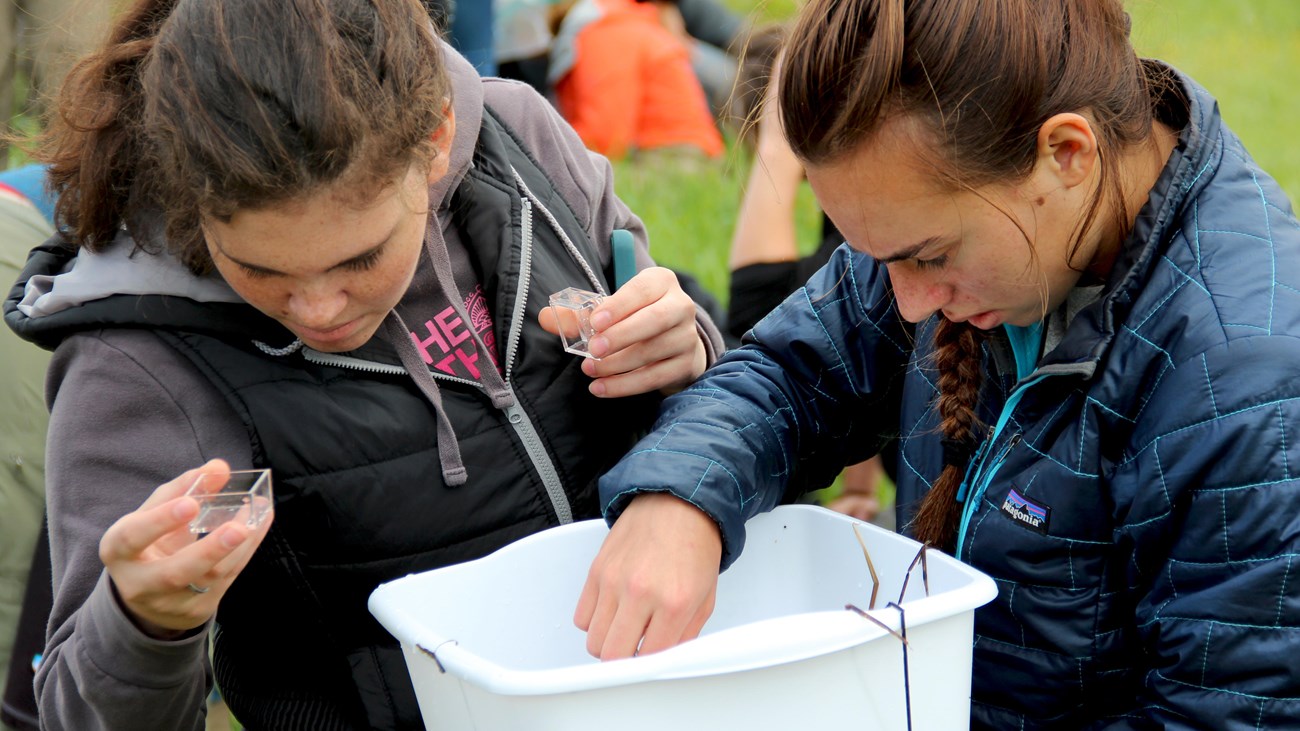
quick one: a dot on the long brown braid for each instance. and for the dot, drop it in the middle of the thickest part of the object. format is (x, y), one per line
(958, 359)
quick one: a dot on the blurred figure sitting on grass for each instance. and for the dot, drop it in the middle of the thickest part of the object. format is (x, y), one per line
(524, 30)
(623, 78)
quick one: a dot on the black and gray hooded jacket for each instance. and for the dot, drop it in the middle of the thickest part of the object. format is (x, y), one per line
(381, 468)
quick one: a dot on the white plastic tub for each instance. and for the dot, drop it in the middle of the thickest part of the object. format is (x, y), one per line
(491, 643)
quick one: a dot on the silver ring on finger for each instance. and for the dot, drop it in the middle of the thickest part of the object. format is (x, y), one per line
(199, 589)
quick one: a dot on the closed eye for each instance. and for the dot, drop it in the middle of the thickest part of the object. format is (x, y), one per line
(256, 272)
(358, 263)
(937, 262)
(363, 263)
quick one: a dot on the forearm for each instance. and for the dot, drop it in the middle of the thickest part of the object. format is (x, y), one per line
(730, 445)
(811, 394)
(106, 456)
(765, 229)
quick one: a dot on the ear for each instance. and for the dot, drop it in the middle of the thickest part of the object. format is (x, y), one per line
(442, 139)
(1067, 148)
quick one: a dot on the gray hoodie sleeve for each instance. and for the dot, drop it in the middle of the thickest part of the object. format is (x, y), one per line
(127, 414)
(583, 177)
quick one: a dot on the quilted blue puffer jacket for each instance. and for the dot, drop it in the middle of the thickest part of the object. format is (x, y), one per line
(1134, 499)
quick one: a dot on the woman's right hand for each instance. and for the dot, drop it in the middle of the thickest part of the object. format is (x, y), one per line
(154, 560)
(654, 581)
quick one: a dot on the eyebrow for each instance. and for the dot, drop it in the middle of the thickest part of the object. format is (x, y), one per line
(910, 252)
(369, 252)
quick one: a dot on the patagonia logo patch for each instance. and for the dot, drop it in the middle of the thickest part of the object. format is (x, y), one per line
(1031, 515)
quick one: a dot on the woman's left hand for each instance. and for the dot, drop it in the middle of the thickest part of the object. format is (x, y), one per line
(646, 337)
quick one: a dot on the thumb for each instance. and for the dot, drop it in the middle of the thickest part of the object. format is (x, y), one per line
(546, 318)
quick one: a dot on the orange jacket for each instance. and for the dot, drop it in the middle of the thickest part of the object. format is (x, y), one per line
(632, 87)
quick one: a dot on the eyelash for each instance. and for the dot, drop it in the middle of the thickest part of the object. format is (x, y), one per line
(936, 263)
(252, 273)
(358, 265)
(365, 263)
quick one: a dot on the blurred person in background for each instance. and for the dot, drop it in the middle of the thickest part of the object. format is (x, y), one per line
(713, 33)
(471, 33)
(525, 29)
(623, 78)
(26, 220)
(523, 33)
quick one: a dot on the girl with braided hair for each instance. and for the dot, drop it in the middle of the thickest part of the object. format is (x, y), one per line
(1071, 295)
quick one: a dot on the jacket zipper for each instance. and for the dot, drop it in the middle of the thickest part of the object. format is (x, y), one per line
(521, 294)
(988, 468)
(1025, 344)
(515, 414)
(980, 476)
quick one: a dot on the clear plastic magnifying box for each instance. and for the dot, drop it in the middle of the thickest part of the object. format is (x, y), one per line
(246, 496)
(573, 308)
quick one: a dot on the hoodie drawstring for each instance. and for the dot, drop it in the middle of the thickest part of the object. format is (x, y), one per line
(453, 467)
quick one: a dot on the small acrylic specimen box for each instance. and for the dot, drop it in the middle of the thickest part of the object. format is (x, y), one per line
(245, 496)
(572, 308)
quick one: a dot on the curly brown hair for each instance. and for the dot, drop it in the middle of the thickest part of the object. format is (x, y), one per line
(199, 109)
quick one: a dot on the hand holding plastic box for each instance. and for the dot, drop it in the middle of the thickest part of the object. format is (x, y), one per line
(572, 308)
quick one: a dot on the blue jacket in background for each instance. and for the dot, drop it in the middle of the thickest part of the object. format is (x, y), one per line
(1156, 581)
(29, 181)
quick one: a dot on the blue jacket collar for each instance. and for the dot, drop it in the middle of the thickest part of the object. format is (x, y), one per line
(1093, 329)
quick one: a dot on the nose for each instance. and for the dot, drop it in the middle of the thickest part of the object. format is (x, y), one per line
(317, 305)
(918, 294)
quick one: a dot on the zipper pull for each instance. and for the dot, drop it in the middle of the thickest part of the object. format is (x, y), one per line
(1006, 448)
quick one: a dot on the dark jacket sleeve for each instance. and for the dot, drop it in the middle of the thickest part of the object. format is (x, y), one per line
(127, 414)
(816, 388)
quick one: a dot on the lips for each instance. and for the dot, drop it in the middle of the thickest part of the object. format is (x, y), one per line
(983, 320)
(331, 335)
